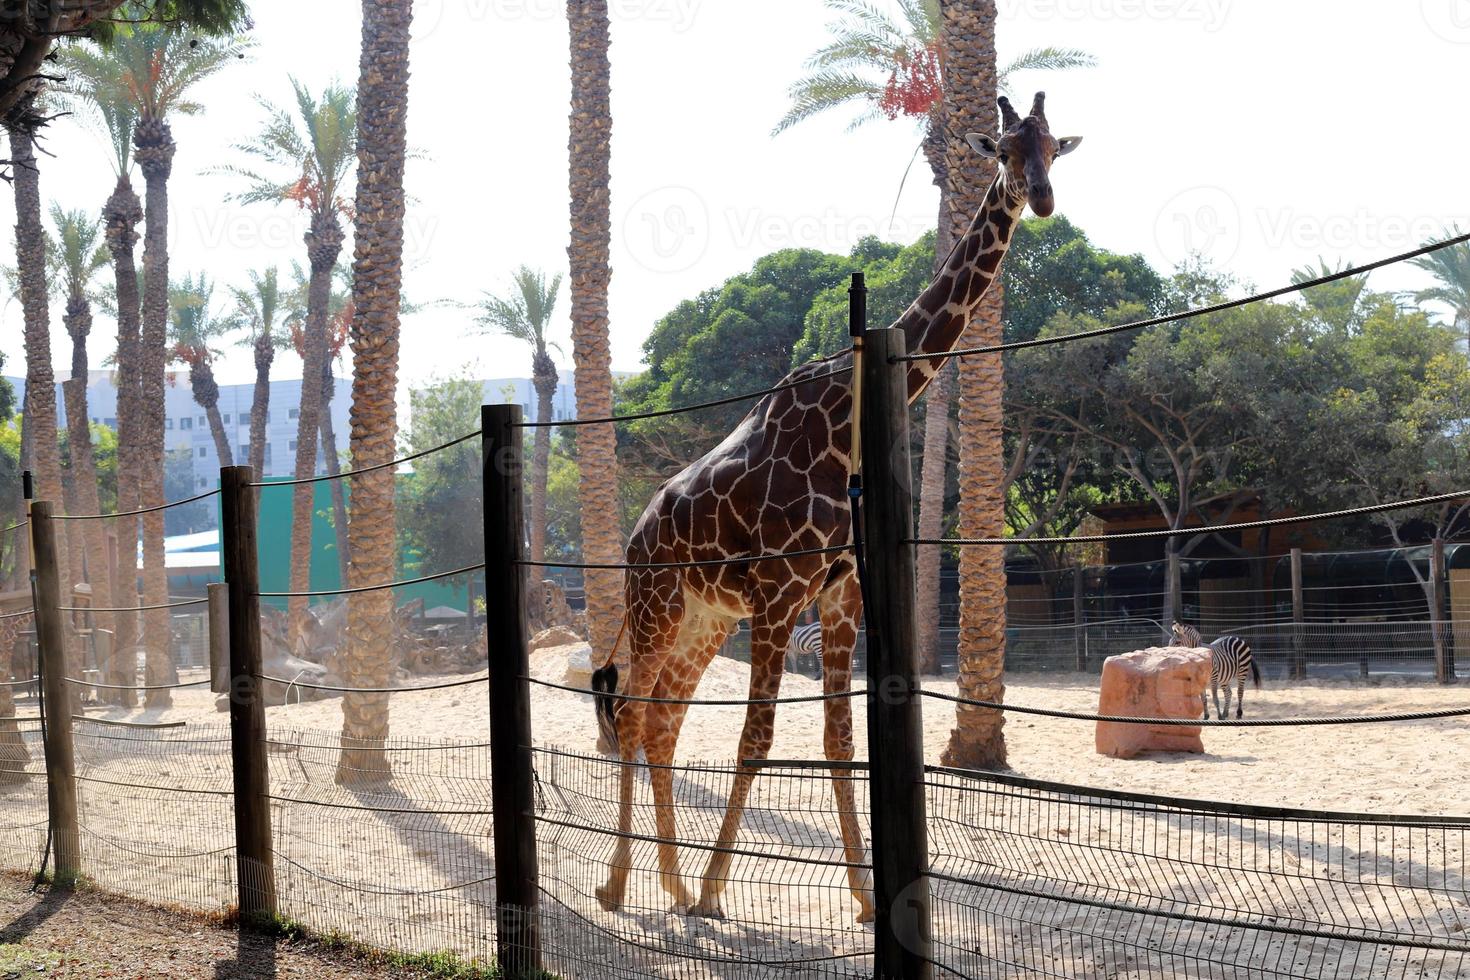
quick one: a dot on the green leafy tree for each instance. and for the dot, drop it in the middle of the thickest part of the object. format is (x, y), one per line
(441, 499)
(525, 315)
(1451, 266)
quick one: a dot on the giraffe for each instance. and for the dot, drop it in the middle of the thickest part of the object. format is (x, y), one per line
(776, 484)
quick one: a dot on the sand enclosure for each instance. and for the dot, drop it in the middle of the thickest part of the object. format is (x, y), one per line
(416, 872)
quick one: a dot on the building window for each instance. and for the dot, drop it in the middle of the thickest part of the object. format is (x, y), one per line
(203, 422)
(293, 445)
(168, 424)
(293, 414)
(110, 423)
(186, 423)
(203, 451)
(267, 452)
(227, 418)
(203, 483)
(244, 450)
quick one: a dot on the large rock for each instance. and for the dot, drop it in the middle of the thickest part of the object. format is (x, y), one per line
(1160, 682)
(557, 636)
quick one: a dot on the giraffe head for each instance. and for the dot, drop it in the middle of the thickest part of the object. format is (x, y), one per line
(605, 684)
(1025, 151)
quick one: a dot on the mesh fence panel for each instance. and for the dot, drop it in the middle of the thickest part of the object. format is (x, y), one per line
(1040, 879)
(22, 795)
(155, 810)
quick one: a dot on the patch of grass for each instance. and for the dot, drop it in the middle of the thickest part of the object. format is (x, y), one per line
(15, 958)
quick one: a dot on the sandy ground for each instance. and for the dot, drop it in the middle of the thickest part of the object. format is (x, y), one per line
(366, 872)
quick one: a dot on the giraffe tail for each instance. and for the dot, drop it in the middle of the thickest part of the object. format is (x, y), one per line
(618, 641)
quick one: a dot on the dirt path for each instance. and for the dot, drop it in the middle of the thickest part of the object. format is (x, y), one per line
(90, 934)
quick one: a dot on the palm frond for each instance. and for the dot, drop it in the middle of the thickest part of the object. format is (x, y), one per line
(1044, 59)
(826, 90)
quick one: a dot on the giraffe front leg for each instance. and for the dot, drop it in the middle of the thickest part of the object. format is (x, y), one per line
(841, 609)
(610, 895)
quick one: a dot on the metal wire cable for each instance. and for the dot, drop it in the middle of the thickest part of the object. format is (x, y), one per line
(1198, 311)
(741, 560)
(348, 474)
(372, 690)
(661, 412)
(134, 513)
(134, 687)
(373, 588)
(124, 609)
(14, 527)
(15, 615)
(1205, 722)
(1330, 515)
(25, 683)
(720, 702)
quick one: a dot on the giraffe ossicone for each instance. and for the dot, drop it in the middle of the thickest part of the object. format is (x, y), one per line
(778, 484)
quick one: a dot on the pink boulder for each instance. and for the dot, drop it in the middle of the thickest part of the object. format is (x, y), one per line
(1160, 682)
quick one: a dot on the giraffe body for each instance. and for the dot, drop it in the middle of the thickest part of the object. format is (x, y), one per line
(775, 485)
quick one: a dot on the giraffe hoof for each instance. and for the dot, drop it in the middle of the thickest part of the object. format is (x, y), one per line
(866, 914)
(607, 899)
(707, 908)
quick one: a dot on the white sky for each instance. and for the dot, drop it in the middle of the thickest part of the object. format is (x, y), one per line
(1261, 132)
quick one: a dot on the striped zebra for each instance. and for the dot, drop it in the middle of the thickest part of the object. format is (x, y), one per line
(1230, 660)
(805, 642)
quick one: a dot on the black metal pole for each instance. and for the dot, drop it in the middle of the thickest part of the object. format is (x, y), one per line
(512, 785)
(902, 938)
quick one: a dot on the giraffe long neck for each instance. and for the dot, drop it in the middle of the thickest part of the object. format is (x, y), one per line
(935, 319)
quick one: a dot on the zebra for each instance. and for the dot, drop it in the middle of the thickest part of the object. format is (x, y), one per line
(1230, 660)
(806, 641)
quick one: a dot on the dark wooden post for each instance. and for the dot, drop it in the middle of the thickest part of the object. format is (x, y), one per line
(1444, 657)
(254, 859)
(902, 940)
(1298, 617)
(56, 699)
(1079, 630)
(512, 786)
(219, 637)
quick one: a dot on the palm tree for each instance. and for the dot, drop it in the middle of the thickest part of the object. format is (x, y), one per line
(377, 286)
(158, 65)
(308, 151)
(978, 740)
(590, 276)
(195, 330)
(890, 68)
(1451, 266)
(75, 256)
(255, 311)
(1335, 303)
(526, 315)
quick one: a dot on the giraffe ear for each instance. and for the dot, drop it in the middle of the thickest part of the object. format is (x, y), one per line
(982, 144)
(1067, 144)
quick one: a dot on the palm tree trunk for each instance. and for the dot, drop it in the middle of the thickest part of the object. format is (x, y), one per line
(334, 468)
(94, 533)
(377, 292)
(121, 215)
(935, 467)
(154, 145)
(323, 245)
(978, 739)
(543, 375)
(590, 274)
(260, 403)
(206, 396)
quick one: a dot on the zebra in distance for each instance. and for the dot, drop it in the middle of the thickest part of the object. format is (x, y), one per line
(805, 646)
(1230, 660)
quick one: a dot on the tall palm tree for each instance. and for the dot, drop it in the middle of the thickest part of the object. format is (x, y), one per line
(377, 287)
(159, 64)
(1451, 266)
(256, 307)
(978, 740)
(525, 314)
(75, 257)
(308, 152)
(590, 276)
(94, 90)
(196, 329)
(890, 68)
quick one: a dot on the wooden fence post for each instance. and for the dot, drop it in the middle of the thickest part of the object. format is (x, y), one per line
(219, 637)
(512, 785)
(56, 699)
(1298, 618)
(1444, 655)
(254, 859)
(1079, 629)
(902, 940)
